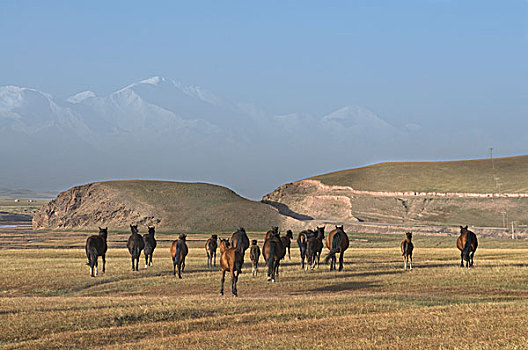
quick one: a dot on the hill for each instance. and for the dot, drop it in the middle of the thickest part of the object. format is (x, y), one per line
(476, 176)
(445, 193)
(191, 207)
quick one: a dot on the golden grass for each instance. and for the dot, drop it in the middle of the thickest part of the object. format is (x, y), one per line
(48, 300)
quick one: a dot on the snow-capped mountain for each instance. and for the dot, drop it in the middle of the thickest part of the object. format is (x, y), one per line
(195, 131)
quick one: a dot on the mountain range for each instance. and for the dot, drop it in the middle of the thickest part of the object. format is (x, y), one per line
(161, 128)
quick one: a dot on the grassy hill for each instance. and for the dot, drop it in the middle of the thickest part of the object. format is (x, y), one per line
(478, 176)
(191, 207)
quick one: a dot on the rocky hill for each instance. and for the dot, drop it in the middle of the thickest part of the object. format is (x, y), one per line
(445, 193)
(170, 206)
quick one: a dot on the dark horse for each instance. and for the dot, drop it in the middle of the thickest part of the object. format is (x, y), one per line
(150, 245)
(337, 242)
(230, 260)
(210, 249)
(254, 255)
(135, 245)
(286, 242)
(314, 247)
(302, 241)
(274, 230)
(96, 246)
(467, 243)
(178, 252)
(240, 241)
(273, 251)
(407, 247)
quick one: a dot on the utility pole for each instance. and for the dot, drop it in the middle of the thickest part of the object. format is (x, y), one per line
(513, 230)
(491, 157)
(503, 218)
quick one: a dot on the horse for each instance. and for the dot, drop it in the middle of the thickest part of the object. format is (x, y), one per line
(314, 247)
(210, 249)
(254, 255)
(302, 240)
(286, 241)
(240, 241)
(274, 230)
(178, 252)
(273, 251)
(150, 245)
(135, 245)
(467, 243)
(231, 260)
(337, 241)
(96, 246)
(407, 247)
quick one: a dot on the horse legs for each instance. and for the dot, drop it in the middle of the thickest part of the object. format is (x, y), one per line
(214, 258)
(137, 263)
(183, 265)
(104, 261)
(208, 260)
(462, 259)
(405, 262)
(95, 266)
(289, 254)
(222, 282)
(341, 261)
(234, 278)
(146, 260)
(410, 262)
(471, 263)
(133, 269)
(150, 259)
(174, 267)
(180, 268)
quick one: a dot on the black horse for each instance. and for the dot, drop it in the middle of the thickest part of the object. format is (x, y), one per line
(150, 245)
(314, 247)
(96, 246)
(302, 242)
(240, 241)
(135, 245)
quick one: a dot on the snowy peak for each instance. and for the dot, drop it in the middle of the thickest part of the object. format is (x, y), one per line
(355, 117)
(81, 96)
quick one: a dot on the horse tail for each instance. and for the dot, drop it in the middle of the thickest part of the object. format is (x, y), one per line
(178, 253)
(336, 244)
(91, 252)
(302, 243)
(468, 246)
(238, 266)
(271, 257)
(405, 246)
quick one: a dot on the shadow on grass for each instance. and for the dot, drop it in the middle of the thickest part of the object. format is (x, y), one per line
(345, 286)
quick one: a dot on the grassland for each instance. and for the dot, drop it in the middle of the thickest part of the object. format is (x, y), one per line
(48, 300)
(476, 176)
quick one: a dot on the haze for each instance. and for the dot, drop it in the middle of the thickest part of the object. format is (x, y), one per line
(254, 95)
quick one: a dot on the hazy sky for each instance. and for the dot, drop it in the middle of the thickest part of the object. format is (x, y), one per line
(450, 66)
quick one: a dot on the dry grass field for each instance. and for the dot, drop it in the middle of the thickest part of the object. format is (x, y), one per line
(48, 299)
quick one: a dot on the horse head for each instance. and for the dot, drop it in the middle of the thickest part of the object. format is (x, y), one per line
(182, 236)
(133, 228)
(339, 228)
(103, 232)
(463, 229)
(151, 230)
(214, 237)
(289, 234)
(224, 244)
(254, 242)
(409, 235)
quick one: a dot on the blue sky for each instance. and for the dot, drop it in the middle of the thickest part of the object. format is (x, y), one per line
(407, 60)
(453, 67)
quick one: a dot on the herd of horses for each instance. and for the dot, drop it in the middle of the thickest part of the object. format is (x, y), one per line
(274, 249)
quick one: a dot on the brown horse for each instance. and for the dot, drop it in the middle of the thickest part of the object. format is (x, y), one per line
(230, 260)
(302, 241)
(467, 243)
(337, 241)
(286, 241)
(407, 247)
(150, 245)
(96, 246)
(254, 255)
(314, 247)
(240, 241)
(274, 230)
(135, 245)
(178, 252)
(273, 251)
(210, 249)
